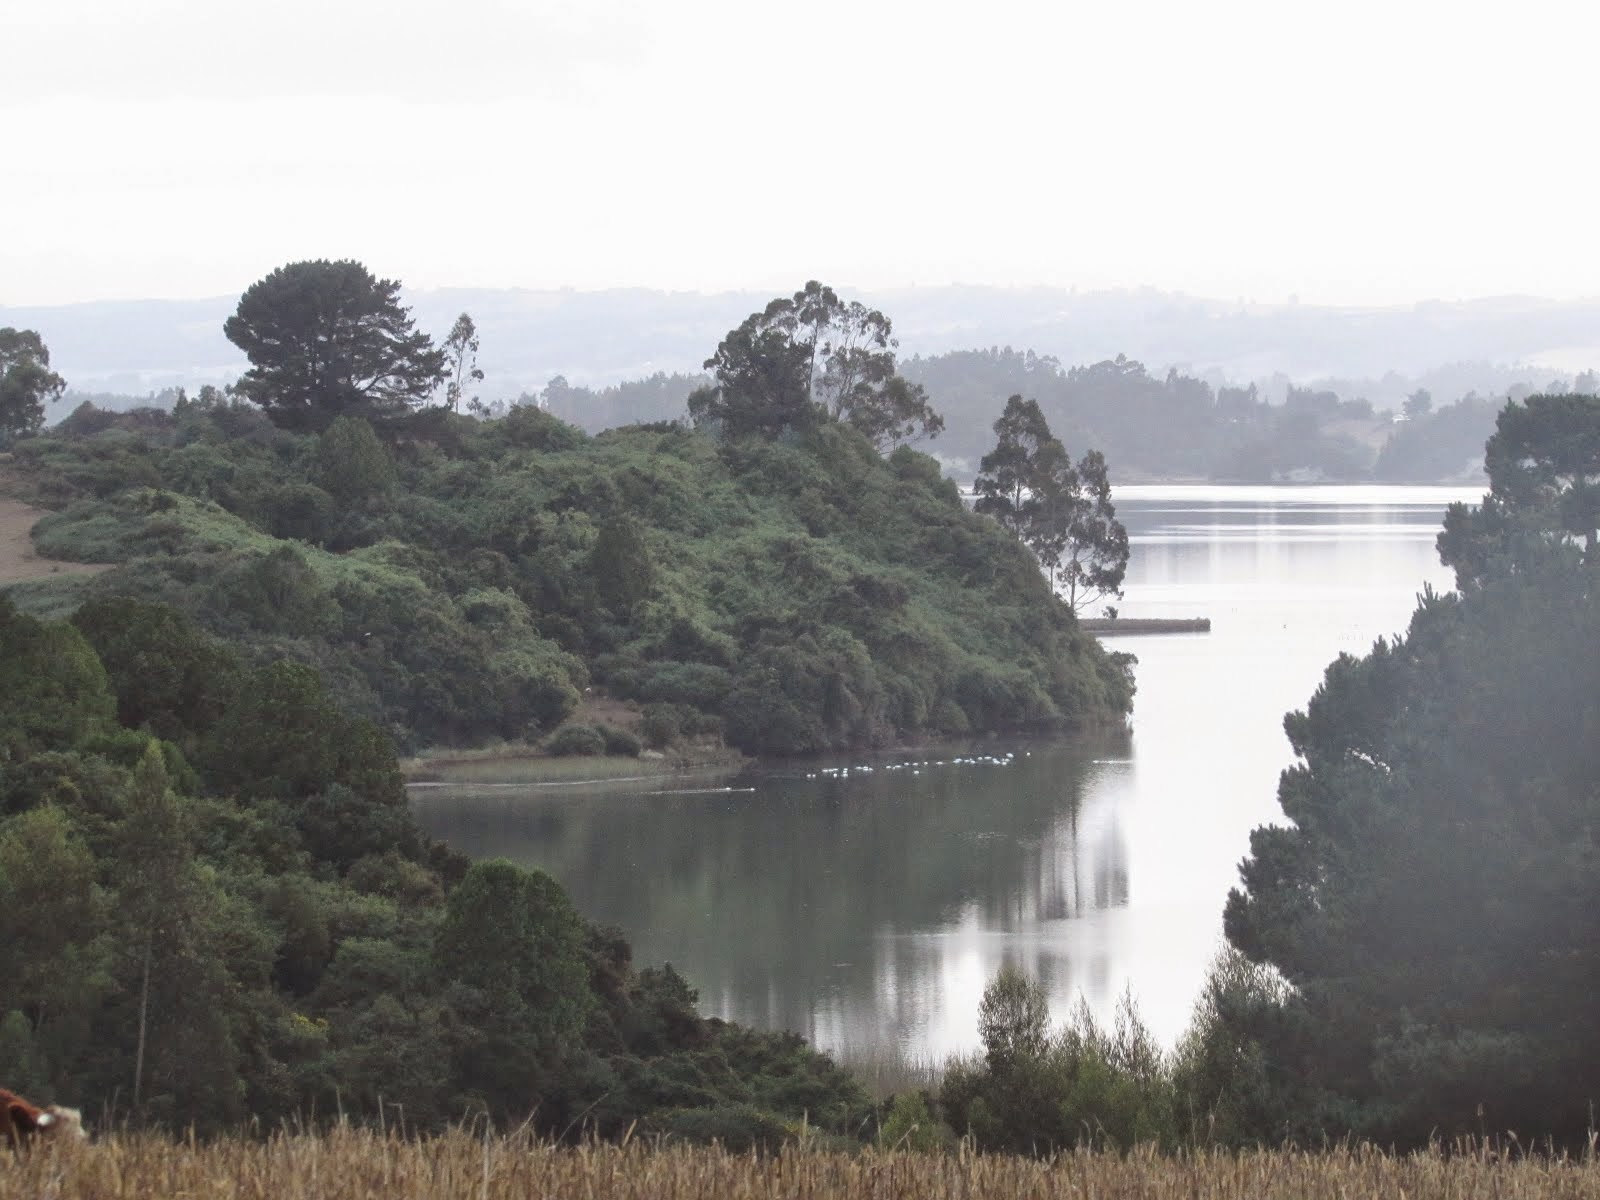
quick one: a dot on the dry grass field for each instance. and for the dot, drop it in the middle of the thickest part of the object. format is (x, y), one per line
(356, 1164)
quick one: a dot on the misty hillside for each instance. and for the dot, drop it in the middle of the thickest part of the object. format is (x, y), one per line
(600, 338)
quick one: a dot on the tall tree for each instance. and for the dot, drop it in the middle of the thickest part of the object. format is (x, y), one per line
(812, 357)
(1060, 511)
(1094, 558)
(461, 364)
(181, 941)
(27, 383)
(1008, 474)
(326, 339)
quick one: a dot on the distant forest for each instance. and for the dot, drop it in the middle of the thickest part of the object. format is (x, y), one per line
(1150, 427)
(1169, 387)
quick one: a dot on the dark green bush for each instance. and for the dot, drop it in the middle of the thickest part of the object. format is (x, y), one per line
(575, 739)
(659, 725)
(697, 684)
(620, 741)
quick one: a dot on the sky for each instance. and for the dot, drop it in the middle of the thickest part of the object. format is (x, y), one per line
(1352, 153)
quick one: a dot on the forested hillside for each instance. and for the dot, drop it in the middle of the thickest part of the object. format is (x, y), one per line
(215, 907)
(469, 580)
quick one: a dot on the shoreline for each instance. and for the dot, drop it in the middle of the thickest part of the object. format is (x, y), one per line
(1140, 626)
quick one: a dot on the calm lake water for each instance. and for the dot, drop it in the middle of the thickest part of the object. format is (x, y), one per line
(865, 902)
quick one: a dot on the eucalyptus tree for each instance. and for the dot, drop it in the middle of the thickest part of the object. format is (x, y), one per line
(808, 358)
(1060, 510)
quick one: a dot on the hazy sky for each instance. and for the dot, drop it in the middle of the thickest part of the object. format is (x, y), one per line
(1349, 152)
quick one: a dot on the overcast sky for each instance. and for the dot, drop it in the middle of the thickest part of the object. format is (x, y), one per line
(1352, 152)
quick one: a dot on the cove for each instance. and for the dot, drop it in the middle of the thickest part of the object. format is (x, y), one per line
(865, 901)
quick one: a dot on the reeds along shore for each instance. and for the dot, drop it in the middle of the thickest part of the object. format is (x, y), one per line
(357, 1164)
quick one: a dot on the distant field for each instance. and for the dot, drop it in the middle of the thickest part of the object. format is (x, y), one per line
(356, 1165)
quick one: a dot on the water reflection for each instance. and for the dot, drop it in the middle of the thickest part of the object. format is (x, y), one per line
(866, 908)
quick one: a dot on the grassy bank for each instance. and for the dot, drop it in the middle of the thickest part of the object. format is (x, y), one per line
(525, 765)
(356, 1164)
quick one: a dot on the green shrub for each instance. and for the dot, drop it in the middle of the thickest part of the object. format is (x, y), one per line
(620, 741)
(697, 684)
(911, 1125)
(659, 726)
(575, 739)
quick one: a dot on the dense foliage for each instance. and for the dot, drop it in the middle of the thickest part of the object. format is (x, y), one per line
(215, 906)
(458, 580)
(1434, 904)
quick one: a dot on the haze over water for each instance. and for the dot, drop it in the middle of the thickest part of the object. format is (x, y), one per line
(865, 902)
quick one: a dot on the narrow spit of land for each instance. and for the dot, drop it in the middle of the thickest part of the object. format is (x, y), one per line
(351, 1163)
(1138, 626)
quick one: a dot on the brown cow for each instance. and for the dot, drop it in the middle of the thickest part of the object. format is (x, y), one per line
(22, 1123)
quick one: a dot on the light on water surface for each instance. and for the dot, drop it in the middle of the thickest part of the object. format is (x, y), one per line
(866, 902)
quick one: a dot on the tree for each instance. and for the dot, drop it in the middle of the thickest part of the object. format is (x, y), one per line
(175, 945)
(812, 357)
(169, 676)
(27, 383)
(1433, 898)
(1013, 1020)
(620, 565)
(327, 338)
(352, 464)
(1008, 473)
(1095, 556)
(1543, 462)
(1060, 511)
(1419, 404)
(461, 364)
(53, 690)
(514, 939)
(54, 948)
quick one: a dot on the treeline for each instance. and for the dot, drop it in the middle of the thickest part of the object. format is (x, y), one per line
(1172, 427)
(1177, 427)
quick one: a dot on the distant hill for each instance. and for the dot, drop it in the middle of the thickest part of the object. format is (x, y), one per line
(601, 338)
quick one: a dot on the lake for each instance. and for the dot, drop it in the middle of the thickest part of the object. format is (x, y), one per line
(865, 902)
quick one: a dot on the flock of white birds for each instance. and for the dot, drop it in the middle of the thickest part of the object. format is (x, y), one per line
(916, 768)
